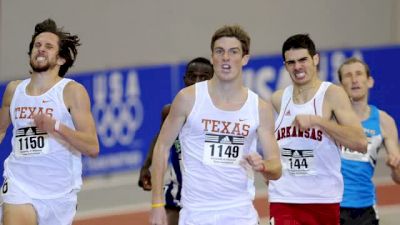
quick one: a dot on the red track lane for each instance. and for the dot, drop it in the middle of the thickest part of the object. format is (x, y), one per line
(387, 195)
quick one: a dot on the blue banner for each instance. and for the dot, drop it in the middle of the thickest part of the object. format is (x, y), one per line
(127, 102)
(126, 106)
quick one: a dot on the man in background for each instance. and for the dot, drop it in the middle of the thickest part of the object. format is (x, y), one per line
(359, 199)
(198, 69)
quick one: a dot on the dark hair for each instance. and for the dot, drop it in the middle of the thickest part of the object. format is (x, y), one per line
(233, 31)
(351, 61)
(198, 69)
(299, 41)
(67, 43)
(199, 60)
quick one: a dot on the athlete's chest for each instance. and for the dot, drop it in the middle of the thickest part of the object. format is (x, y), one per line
(24, 108)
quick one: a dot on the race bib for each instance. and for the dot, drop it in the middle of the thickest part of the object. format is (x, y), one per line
(298, 162)
(30, 141)
(223, 150)
(354, 155)
(374, 144)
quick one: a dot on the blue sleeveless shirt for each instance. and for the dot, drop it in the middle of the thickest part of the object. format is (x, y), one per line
(358, 168)
(173, 184)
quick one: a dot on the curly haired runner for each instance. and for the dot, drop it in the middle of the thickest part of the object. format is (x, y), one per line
(53, 126)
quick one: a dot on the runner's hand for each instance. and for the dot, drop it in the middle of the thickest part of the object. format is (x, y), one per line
(393, 161)
(256, 161)
(303, 122)
(145, 179)
(44, 122)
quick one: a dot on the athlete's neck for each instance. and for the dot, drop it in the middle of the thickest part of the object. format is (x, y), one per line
(361, 108)
(226, 89)
(303, 93)
(42, 82)
(227, 96)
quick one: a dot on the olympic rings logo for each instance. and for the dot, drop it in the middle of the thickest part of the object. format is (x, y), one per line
(121, 116)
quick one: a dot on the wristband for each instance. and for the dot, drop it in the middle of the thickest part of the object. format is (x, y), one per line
(57, 125)
(157, 205)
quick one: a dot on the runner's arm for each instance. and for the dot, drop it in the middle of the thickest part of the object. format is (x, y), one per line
(5, 119)
(84, 137)
(347, 130)
(169, 131)
(145, 175)
(391, 143)
(180, 109)
(149, 157)
(276, 99)
(272, 167)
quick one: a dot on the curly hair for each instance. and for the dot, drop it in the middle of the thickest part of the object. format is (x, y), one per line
(67, 43)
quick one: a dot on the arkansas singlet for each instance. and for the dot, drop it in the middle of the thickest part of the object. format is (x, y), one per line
(42, 165)
(213, 142)
(310, 158)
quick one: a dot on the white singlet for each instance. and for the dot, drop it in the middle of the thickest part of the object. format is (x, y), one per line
(213, 142)
(42, 165)
(310, 158)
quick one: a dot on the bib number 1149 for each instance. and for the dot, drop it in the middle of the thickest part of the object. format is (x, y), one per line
(229, 151)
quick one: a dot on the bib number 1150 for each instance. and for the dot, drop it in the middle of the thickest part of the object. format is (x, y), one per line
(31, 142)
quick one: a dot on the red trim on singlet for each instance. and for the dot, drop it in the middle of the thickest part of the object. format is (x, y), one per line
(315, 108)
(284, 112)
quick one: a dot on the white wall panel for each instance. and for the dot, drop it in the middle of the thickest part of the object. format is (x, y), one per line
(137, 32)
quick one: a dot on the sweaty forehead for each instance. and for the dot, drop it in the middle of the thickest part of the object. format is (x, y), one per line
(295, 54)
(353, 66)
(47, 37)
(227, 42)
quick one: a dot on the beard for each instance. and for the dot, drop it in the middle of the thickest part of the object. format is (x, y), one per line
(38, 68)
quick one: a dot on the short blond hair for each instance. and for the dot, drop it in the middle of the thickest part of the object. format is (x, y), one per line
(233, 31)
(351, 61)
